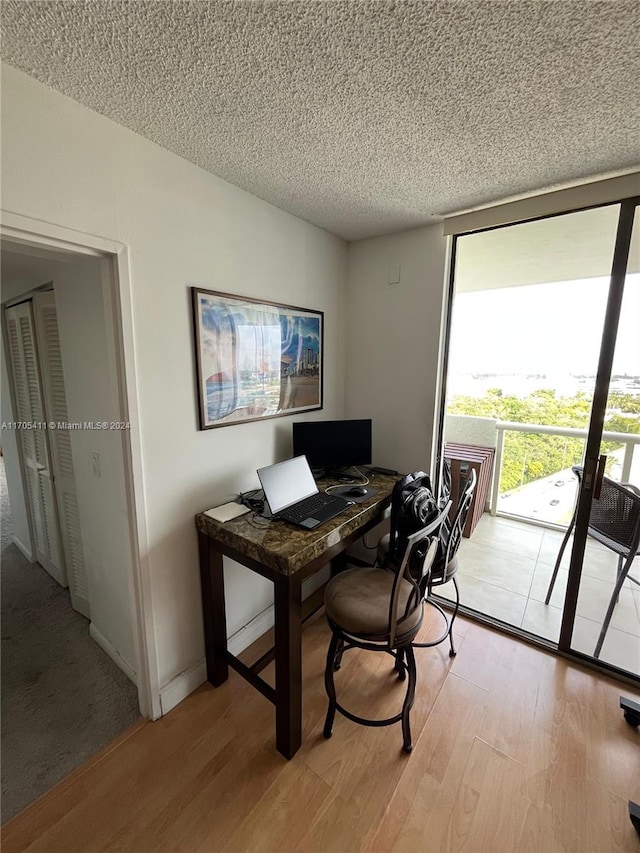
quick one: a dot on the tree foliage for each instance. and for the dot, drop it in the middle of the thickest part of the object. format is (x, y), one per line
(527, 456)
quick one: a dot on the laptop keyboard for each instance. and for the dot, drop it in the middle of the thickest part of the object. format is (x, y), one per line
(307, 507)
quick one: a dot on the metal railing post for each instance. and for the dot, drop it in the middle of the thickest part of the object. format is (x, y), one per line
(497, 471)
(629, 447)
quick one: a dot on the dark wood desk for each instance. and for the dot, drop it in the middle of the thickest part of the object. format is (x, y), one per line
(286, 555)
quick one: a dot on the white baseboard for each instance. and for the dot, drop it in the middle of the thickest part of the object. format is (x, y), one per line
(182, 685)
(115, 656)
(23, 548)
(190, 679)
(260, 624)
(250, 632)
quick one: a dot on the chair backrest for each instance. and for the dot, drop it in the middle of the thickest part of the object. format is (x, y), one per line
(451, 533)
(413, 505)
(427, 545)
(433, 528)
(413, 509)
(445, 481)
(614, 519)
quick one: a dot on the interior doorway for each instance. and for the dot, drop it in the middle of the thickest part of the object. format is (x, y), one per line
(71, 683)
(36, 374)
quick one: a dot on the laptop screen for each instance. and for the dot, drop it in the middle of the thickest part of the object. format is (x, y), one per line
(287, 483)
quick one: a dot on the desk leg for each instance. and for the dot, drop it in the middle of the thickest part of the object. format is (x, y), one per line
(339, 563)
(288, 631)
(213, 610)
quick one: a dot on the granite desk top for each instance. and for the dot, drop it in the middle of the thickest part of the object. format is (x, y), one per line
(286, 548)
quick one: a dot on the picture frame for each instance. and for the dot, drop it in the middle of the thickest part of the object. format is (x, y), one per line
(255, 359)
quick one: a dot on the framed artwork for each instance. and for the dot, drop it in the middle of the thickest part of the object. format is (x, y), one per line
(255, 359)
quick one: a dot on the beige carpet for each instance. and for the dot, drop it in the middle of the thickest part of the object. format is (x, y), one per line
(63, 698)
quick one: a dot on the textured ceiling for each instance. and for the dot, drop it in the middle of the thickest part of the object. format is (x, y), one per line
(362, 117)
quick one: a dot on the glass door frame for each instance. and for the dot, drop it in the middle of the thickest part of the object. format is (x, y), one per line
(619, 264)
(596, 423)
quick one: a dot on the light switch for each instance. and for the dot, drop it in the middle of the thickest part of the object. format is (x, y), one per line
(95, 464)
(394, 274)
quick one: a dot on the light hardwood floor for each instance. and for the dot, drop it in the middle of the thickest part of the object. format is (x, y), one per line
(514, 750)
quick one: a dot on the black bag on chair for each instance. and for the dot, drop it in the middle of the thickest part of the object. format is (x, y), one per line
(413, 506)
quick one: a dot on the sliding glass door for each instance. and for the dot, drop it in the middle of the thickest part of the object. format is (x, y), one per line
(602, 605)
(531, 349)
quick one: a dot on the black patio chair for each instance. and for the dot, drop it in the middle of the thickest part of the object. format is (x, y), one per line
(614, 521)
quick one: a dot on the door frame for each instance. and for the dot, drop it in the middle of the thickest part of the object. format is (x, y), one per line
(611, 321)
(614, 301)
(46, 236)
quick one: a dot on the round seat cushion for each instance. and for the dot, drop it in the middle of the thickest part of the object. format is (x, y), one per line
(358, 600)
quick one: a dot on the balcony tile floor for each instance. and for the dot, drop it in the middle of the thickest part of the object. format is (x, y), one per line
(505, 569)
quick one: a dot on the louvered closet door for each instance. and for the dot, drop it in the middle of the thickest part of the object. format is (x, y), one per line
(60, 448)
(33, 442)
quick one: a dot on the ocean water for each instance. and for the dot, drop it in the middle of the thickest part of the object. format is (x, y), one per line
(519, 385)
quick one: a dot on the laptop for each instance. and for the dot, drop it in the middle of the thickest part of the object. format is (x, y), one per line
(292, 494)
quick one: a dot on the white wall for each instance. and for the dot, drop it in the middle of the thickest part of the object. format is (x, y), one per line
(65, 164)
(467, 429)
(393, 342)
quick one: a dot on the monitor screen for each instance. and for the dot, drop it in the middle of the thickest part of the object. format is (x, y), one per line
(333, 444)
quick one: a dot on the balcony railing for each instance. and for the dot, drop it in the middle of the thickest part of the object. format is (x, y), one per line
(628, 440)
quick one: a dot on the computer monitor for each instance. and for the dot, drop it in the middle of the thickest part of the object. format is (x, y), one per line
(333, 444)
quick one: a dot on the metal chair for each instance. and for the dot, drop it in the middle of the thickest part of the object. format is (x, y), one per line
(445, 565)
(379, 611)
(614, 521)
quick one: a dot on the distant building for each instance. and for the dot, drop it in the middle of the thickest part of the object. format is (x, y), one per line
(308, 358)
